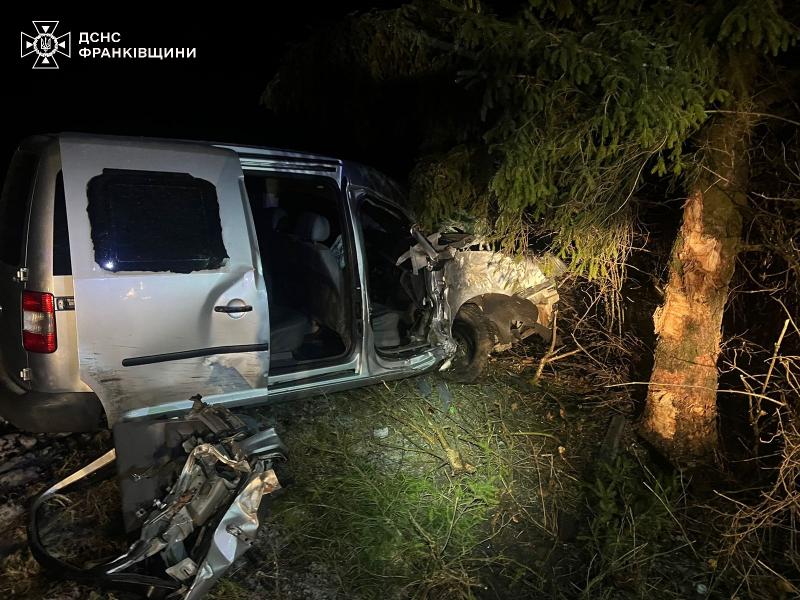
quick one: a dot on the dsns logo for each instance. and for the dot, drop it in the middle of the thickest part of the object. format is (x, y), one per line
(46, 44)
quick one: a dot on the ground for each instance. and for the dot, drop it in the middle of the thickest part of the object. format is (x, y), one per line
(421, 488)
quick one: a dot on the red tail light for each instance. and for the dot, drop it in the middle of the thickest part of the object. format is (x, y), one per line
(38, 322)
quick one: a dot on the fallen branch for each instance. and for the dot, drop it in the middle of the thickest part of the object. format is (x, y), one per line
(551, 355)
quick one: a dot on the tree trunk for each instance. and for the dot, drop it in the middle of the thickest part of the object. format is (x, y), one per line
(680, 417)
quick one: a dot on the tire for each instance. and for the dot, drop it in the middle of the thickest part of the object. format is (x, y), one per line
(472, 333)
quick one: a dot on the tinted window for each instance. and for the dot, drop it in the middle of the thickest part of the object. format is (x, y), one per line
(14, 206)
(154, 221)
(62, 264)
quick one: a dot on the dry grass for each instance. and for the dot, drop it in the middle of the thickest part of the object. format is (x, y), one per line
(763, 537)
(762, 531)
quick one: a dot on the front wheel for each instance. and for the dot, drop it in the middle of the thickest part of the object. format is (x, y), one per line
(472, 334)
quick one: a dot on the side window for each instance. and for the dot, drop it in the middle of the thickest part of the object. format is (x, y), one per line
(386, 227)
(154, 221)
(386, 235)
(14, 206)
(62, 263)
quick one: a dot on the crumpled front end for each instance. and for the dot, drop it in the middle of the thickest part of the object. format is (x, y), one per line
(518, 294)
(191, 488)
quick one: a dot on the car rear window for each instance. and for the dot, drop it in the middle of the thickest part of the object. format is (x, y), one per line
(154, 221)
(14, 205)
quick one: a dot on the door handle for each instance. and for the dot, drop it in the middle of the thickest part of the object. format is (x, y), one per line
(233, 309)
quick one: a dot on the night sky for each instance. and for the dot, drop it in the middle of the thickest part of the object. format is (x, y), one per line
(213, 97)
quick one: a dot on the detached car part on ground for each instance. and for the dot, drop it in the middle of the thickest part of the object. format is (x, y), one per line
(191, 487)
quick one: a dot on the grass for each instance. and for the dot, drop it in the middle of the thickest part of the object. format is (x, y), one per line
(418, 489)
(632, 528)
(393, 511)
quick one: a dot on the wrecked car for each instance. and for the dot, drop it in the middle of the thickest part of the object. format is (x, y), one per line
(136, 273)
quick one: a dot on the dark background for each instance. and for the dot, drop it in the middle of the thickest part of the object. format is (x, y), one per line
(215, 96)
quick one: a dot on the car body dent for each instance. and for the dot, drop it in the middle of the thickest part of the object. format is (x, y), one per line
(125, 317)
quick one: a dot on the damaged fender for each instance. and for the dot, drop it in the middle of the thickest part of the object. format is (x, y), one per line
(517, 294)
(480, 276)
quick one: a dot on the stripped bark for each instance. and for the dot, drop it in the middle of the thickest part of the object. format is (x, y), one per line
(680, 417)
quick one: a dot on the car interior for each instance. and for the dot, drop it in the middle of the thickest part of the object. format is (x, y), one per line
(304, 254)
(399, 309)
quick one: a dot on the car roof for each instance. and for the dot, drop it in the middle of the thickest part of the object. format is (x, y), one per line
(356, 173)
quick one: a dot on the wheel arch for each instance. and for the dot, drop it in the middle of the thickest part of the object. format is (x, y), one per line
(506, 289)
(512, 318)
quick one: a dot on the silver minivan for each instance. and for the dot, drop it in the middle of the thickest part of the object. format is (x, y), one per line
(138, 273)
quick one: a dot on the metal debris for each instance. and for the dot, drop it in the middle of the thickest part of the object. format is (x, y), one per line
(192, 487)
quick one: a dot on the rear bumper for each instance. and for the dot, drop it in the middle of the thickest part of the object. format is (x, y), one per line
(56, 412)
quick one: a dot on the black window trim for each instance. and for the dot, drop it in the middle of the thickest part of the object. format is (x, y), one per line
(19, 254)
(210, 252)
(62, 253)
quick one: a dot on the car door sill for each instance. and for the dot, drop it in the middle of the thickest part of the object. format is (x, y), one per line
(283, 380)
(319, 379)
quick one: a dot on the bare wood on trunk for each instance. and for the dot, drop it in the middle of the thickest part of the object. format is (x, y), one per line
(680, 417)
